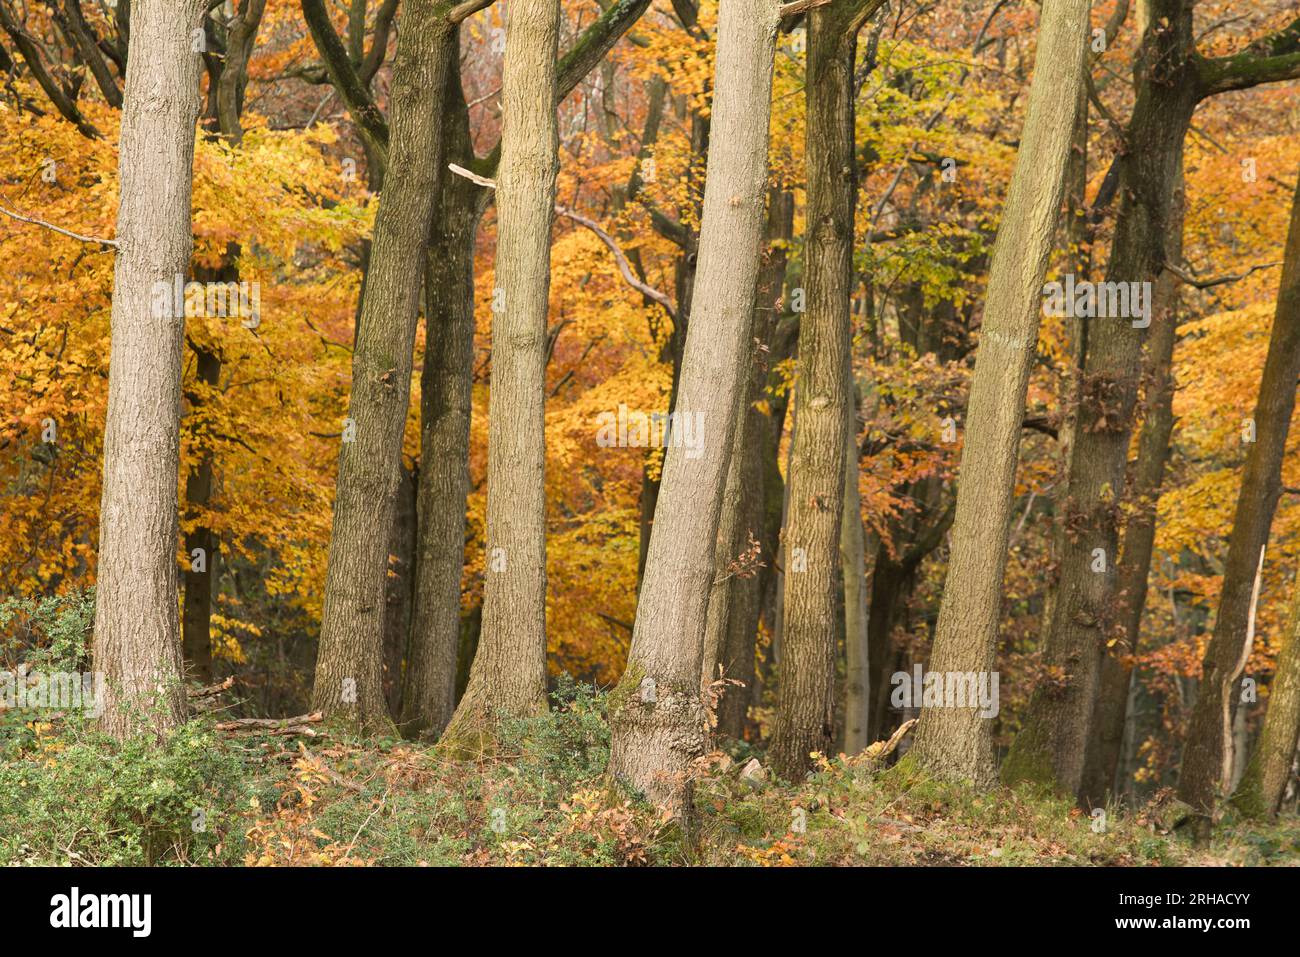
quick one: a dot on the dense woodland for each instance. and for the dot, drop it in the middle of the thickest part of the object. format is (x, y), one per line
(649, 431)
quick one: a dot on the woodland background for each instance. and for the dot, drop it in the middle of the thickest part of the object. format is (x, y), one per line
(289, 202)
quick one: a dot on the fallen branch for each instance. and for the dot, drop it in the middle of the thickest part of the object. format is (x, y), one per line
(883, 749)
(212, 690)
(106, 243)
(271, 723)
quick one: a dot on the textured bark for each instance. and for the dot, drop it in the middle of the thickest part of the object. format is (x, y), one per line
(956, 742)
(196, 612)
(655, 712)
(734, 600)
(1263, 785)
(240, 37)
(446, 399)
(433, 667)
(853, 546)
(509, 672)
(1078, 238)
(1052, 743)
(137, 630)
(399, 586)
(1205, 764)
(688, 242)
(349, 667)
(230, 81)
(1110, 713)
(805, 720)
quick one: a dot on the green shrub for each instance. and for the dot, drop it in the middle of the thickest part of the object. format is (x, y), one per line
(90, 800)
(50, 633)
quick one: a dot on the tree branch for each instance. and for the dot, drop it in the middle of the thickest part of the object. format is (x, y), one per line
(589, 49)
(65, 104)
(106, 243)
(354, 93)
(1219, 280)
(620, 258)
(1268, 60)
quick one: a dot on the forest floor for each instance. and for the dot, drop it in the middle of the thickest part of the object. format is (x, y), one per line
(261, 798)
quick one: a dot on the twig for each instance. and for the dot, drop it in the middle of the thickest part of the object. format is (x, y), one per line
(379, 807)
(106, 243)
(326, 770)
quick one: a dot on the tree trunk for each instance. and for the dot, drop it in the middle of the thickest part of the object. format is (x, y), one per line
(446, 401)
(734, 601)
(196, 612)
(1110, 713)
(137, 646)
(806, 676)
(656, 714)
(399, 586)
(956, 742)
(891, 591)
(853, 546)
(509, 671)
(1204, 759)
(1052, 743)
(1260, 792)
(446, 388)
(349, 667)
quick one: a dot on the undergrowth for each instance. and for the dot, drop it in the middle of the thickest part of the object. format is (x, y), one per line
(214, 797)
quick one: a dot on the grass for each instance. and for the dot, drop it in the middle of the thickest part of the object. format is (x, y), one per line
(208, 797)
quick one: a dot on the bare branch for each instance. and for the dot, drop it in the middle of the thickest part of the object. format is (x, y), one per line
(1218, 280)
(106, 243)
(620, 258)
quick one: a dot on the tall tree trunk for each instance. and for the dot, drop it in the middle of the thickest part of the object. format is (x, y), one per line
(446, 387)
(509, 672)
(853, 546)
(1259, 795)
(446, 400)
(1052, 743)
(806, 676)
(1204, 760)
(137, 644)
(1110, 714)
(684, 287)
(349, 666)
(734, 601)
(200, 558)
(196, 612)
(956, 742)
(1078, 259)
(399, 586)
(656, 714)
